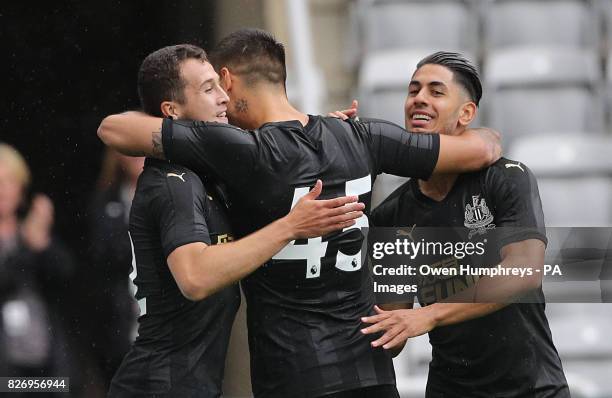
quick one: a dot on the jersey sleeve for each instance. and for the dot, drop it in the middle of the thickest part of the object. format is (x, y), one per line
(399, 152)
(178, 206)
(225, 152)
(516, 202)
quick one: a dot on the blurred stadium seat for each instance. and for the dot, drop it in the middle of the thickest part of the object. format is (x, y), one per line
(565, 154)
(588, 379)
(585, 337)
(573, 175)
(572, 23)
(543, 89)
(393, 24)
(581, 335)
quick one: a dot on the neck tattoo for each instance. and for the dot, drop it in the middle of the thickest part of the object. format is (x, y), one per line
(241, 105)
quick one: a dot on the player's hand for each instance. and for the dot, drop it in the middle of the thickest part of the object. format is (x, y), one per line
(398, 325)
(492, 138)
(347, 113)
(36, 228)
(311, 218)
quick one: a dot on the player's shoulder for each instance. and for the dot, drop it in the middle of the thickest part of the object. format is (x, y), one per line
(161, 174)
(160, 168)
(508, 172)
(362, 126)
(207, 125)
(369, 123)
(220, 133)
(334, 124)
(510, 168)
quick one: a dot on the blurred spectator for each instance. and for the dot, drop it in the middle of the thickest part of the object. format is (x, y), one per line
(113, 304)
(34, 274)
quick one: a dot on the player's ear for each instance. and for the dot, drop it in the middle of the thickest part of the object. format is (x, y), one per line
(467, 113)
(169, 109)
(225, 76)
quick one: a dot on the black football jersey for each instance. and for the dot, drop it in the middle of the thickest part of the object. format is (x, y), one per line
(304, 305)
(508, 353)
(181, 344)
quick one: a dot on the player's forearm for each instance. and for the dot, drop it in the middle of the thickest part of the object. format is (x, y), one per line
(507, 288)
(213, 267)
(467, 152)
(488, 294)
(133, 134)
(221, 265)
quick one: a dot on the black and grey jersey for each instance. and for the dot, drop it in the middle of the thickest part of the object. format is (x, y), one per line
(304, 305)
(509, 352)
(181, 344)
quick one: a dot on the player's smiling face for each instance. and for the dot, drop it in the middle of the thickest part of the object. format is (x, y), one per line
(205, 99)
(436, 102)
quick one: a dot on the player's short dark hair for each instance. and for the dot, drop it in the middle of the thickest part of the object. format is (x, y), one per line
(464, 72)
(159, 76)
(252, 53)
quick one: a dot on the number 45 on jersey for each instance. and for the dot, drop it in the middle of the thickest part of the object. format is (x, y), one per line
(314, 250)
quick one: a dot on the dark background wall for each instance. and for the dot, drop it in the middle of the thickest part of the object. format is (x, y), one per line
(66, 65)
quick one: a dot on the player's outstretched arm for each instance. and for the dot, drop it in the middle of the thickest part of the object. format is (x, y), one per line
(488, 295)
(201, 270)
(133, 134)
(473, 150)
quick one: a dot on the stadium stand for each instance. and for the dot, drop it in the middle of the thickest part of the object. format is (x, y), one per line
(580, 334)
(392, 24)
(573, 175)
(543, 89)
(512, 23)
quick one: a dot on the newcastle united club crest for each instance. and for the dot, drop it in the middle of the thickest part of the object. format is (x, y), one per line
(478, 217)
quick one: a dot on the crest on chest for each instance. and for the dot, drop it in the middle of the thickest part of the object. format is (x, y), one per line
(478, 216)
